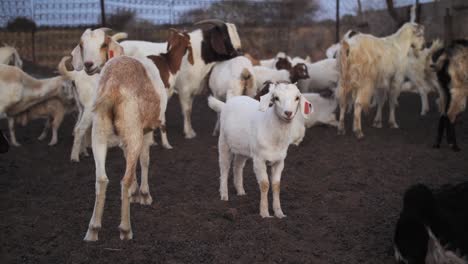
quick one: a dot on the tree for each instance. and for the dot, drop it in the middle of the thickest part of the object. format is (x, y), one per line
(21, 24)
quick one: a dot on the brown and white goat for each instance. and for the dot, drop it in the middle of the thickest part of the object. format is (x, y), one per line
(368, 63)
(451, 65)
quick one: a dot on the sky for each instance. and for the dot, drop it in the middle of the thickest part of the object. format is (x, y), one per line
(85, 12)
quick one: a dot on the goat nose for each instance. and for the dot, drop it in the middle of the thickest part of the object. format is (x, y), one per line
(88, 64)
(288, 113)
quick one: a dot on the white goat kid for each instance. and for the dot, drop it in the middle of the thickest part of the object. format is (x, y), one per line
(252, 129)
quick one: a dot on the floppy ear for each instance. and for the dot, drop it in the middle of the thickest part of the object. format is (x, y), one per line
(189, 49)
(77, 58)
(265, 101)
(217, 41)
(306, 107)
(115, 49)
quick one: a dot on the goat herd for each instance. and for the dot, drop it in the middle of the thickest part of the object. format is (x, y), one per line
(121, 90)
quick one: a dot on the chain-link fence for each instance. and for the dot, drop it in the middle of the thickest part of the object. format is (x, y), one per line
(298, 27)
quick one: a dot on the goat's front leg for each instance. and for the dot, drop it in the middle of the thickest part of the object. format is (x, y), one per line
(343, 103)
(145, 196)
(83, 124)
(11, 127)
(276, 170)
(393, 102)
(260, 170)
(443, 123)
(45, 130)
(99, 145)
(186, 101)
(163, 130)
(380, 98)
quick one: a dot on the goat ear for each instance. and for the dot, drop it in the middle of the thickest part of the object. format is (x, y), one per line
(189, 49)
(217, 41)
(306, 107)
(265, 101)
(77, 58)
(115, 49)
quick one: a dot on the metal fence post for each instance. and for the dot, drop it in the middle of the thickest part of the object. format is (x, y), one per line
(337, 29)
(103, 14)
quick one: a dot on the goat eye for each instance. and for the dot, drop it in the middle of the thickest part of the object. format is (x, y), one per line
(103, 46)
(297, 98)
(276, 98)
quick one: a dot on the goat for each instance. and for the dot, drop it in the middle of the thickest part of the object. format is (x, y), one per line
(451, 66)
(252, 129)
(53, 110)
(281, 57)
(230, 78)
(432, 226)
(130, 104)
(9, 56)
(296, 73)
(368, 61)
(323, 75)
(19, 91)
(219, 43)
(86, 83)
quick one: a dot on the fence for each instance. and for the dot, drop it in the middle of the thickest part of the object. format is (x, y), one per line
(442, 19)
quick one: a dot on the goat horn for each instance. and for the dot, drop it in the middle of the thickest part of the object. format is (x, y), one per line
(216, 22)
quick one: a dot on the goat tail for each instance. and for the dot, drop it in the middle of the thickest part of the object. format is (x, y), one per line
(63, 69)
(215, 104)
(119, 36)
(344, 82)
(104, 98)
(247, 82)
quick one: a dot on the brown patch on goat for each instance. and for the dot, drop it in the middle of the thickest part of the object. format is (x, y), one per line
(263, 91)
(283, 64)
(247, 83)
(264, 186)
(458, 71)
(275, 187)
(169, 63)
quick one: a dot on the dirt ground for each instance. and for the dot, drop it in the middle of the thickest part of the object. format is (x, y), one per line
(341, 196)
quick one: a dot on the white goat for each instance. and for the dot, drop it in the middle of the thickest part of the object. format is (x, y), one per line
(368, 63)
(252, 129)
(19, 91)
(322, 75)
(216, 44)
(85, 89)
(230, 78)
(271, 63)
(9, 55)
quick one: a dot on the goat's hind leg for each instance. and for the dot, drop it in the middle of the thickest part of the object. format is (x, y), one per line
(45, 130)
(145, 196)
(225, 158)
(451, 137)
(11, 127)
(440, 130)
(100, 132)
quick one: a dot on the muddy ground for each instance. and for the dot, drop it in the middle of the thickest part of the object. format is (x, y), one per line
(341, 196)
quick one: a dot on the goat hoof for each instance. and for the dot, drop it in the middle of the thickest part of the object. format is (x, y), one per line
(265, 215)
(146, 199)
(167, 146)
(92, 234)
(190, 134)
(341, 132)
(279, 215)
(241, 193)
(52, 143)
(394, 125)
(224, 197)
(125, 234)
(135, 198)
(41, 137)
(377, 124)
(359, 134)
(16, 144)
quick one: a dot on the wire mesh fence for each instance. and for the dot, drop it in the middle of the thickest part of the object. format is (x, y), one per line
(298, 27)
